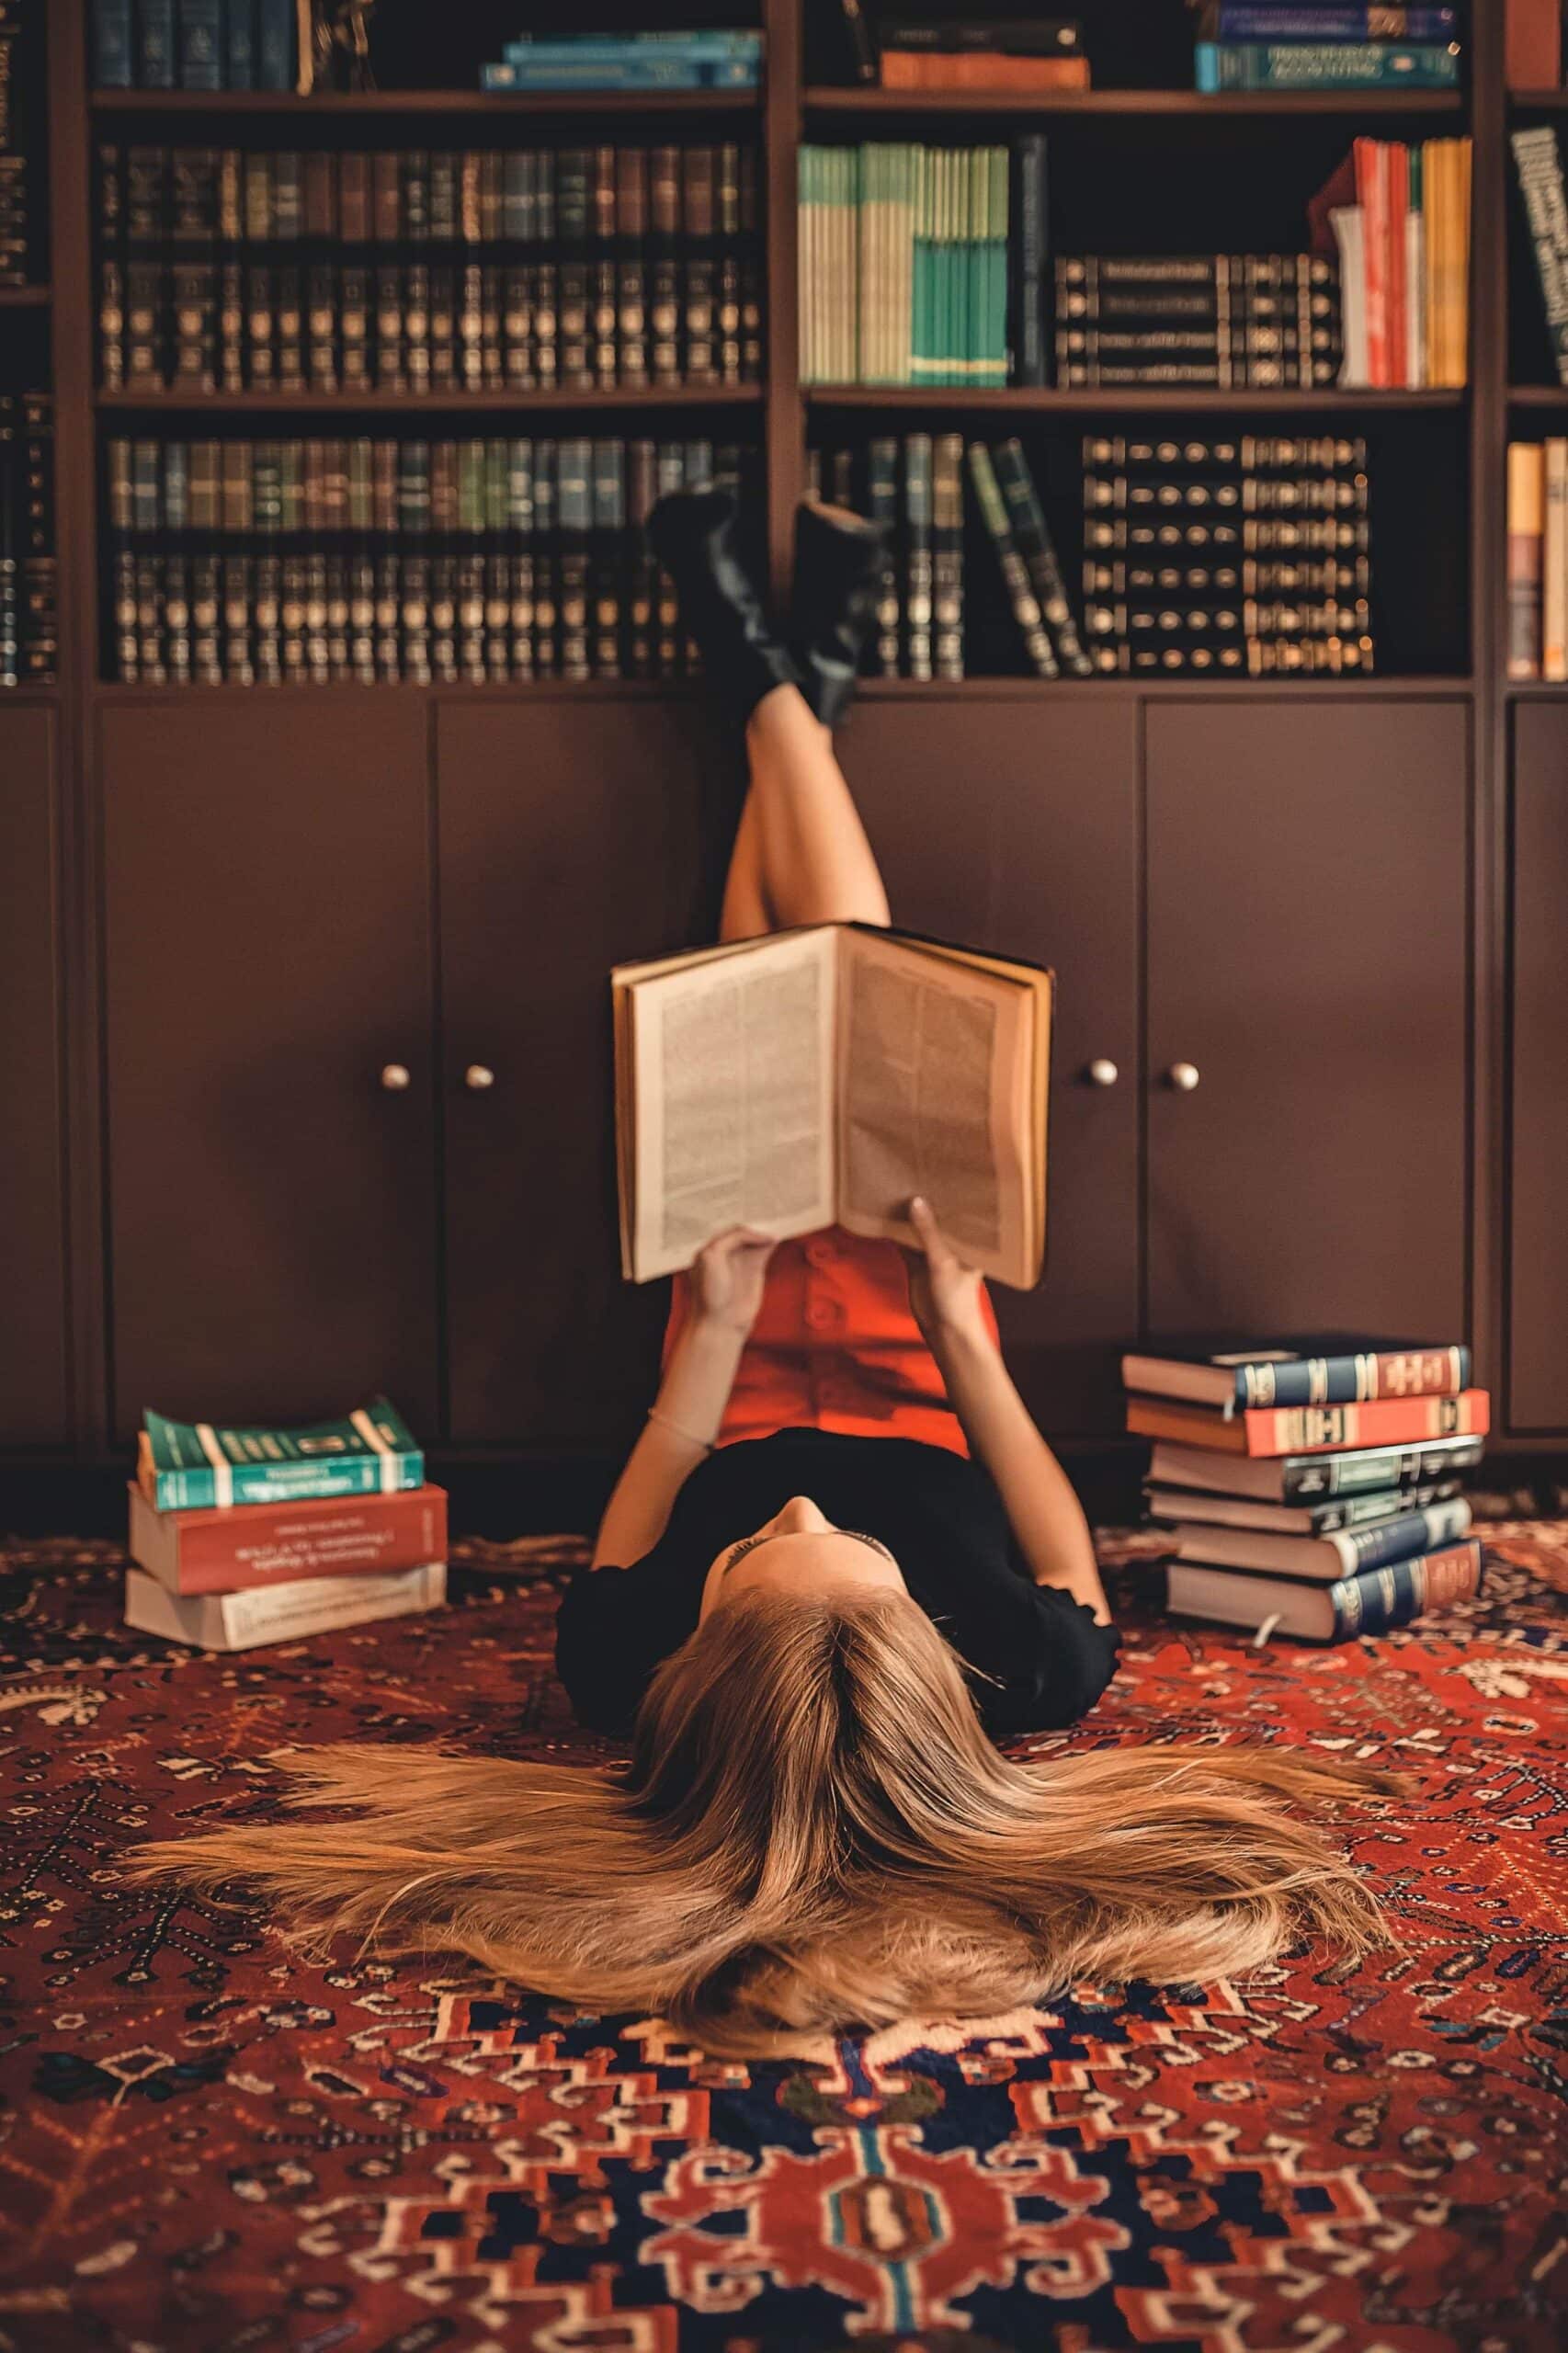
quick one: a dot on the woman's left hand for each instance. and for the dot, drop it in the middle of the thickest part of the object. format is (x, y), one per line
(727, 1278)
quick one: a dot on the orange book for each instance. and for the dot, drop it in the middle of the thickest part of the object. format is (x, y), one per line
(980, 68)
(1314, 1429)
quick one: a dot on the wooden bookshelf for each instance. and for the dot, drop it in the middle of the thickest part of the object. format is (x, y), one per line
(605, 398)
(1360, 105)
(1120, 400)
(478, 104)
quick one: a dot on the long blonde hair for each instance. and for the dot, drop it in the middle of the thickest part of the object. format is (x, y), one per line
(813, 1832)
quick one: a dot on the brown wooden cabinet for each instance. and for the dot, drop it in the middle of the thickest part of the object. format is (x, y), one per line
(270, 1056)
(34, 1409)
(1004, 831)
(1308, 980)
(571, 839)
(1538, 1236)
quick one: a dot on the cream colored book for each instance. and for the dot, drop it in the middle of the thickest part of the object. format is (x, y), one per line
(824, 1076)
(279, 1613)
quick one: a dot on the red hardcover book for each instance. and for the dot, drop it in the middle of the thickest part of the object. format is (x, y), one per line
(1372, 196)
(1397, 159)
(1532, 44)
(1314, 1429)
(980, 68)
(261, 1544)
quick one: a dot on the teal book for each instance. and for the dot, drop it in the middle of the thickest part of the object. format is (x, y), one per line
(193, 1466)
(1325, 65)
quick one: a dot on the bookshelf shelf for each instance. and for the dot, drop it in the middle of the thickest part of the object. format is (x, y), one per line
(1123, 400)
(1537, 395)
(204, 103)
(869, 101)
(23, 298)
(681, 396)
(1391, 688)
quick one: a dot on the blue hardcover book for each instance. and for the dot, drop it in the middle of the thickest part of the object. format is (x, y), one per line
(200, 44)
(706, 48)
(640, 72)
(114, 53)
(239, 44)
(1366, 23)
(159, 45)
(1324, 65)
(274, 63)
(1373, 1601)
(1340, 1370)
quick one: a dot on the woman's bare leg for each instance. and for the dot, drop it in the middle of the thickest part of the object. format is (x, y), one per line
(802, 855)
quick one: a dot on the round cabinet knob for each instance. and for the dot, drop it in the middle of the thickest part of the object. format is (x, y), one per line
(1183, 1076)
(476, 1078)
(1102, 1072)
(395, 1077)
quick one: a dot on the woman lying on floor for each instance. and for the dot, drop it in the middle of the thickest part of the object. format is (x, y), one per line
(829, 1572)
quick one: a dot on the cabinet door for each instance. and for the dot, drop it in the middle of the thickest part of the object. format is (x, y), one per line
(268, 958)
(1538, 1240)
(1307, 957)
(572, 838)
(1012, 826)
(33, 1405)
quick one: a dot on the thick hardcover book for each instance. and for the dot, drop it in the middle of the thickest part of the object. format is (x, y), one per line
(882, 501)
(947, 556)
(1532, 44)
(975, 69)
(918, 581)
(1325, 65)
(193, 1466)
(1363, 22)
(1310, 1478)
(114, 49)
(275, 57)
(1037, 548)
(271, 1544)
(1323, 1558)
(993, 511)
(1186, 1505)
(1321, 1371)
(1024, 37)
(1304, 1430)
(202, 44)
(1526, 528)
(861, 41)
(859, 1016)
(280, 1613)
(158, 65)
(1374, 1601)
(1028, 249)
(239, 44)
(1538, 162)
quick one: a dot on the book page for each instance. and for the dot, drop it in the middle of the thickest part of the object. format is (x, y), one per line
(937, 1065)
(734, 1085)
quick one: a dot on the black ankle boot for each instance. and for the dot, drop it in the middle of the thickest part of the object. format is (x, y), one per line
(838, 566)
(692, 532)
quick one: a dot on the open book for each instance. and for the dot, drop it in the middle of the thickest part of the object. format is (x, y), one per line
(823, 1076)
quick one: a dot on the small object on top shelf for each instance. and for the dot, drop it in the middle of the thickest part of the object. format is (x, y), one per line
(673, 60)
(214, 45)
(1232, 556)
(1537, 161)
(1307, 22)
(1280, 1514)
(1399, 218)
(1532, 44)
(1030, 53)
(340, 45)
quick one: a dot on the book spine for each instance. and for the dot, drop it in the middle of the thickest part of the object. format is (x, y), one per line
(201, 45)
(574, 519)
(1015, 575)
(1532, 44)
(1324, 65)
(1303, 1429)
(1352, 1379)
(917, 554)
(274, 52)
(239, 44)
(1525, 521)
(1366, 23)
(947, 556)
(861, 41)
(1539, 162)
(114, 49)
(981, 69)
(1381, 1599)
(158, 59)
(1029, 249)
(112, 269)
(284, 1613)
(1027, 36)
(700, 358)
(251, 1550)
(1038, 552)
(1404, 1538)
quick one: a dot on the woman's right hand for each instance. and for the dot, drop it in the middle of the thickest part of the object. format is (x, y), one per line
(944, 1292)
(728, 1275)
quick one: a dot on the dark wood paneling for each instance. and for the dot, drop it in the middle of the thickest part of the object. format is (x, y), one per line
(268, 952)
(570, 839)
(33, 1404)
(1538, 1238)
(997, 829)
(1307, 877)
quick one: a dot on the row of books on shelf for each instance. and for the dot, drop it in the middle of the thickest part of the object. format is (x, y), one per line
(246, 1535)
(366, 560)
(932, 265)
(1537, 161)
(208, 44)
(22, 110)
(29, 568)
(1538, 561)
(421, 270)
(719, 59)
(1311, 1488)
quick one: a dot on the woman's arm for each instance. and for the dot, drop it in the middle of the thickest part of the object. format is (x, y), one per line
(1043, 1511)
(684, 1420)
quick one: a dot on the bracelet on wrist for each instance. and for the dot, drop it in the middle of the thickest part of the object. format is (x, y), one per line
(690, 1436)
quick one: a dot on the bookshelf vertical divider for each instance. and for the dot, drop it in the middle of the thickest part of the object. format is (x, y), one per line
(784, 421)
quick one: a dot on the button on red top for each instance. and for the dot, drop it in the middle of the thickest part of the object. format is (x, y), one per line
(820, 1252)
(824, 1315)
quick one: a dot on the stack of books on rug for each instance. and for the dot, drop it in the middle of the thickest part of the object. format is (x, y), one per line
(1312, 1488)
(245, 1535)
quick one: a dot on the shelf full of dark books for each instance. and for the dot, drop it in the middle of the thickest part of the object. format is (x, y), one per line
(376, 561)
(417, 270)
(28, 628)
(23, 171)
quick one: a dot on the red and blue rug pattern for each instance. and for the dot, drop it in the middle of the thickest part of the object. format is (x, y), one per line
(211, 2143)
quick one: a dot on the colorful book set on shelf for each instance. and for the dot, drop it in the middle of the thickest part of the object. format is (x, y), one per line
(1400, 218)
(28, 566)
(320, 563)
(201, 45)
(637, 61)
(1311, 1489)
(242, 1536)
(1537, 562)
(1230, 556)
(574, 269)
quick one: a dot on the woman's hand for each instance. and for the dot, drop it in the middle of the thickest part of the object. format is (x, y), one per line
(943, 1292)
(727, 1279)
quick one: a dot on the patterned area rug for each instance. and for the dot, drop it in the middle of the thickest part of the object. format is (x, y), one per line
(211, 2145)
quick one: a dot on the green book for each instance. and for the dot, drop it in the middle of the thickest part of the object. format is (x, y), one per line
(193, 1466)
